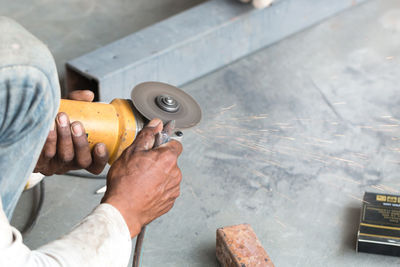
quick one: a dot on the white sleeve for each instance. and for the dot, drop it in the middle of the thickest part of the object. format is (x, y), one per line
(101, 239)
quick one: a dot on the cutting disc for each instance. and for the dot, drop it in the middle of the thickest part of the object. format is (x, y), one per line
(166, 102)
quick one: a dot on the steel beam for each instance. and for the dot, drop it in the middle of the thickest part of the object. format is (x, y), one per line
(193, 43)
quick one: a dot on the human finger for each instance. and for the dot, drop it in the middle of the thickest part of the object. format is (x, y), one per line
(83, 157)
(174, 179)
(173, 146)
(173, 193)
(65, 149)
(50, 147)
(81, 95)
(166, 207)
(99, 158)
(146, 137)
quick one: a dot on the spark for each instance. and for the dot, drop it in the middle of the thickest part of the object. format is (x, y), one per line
(259, 117)
(247, 146)
(361, 156)
(286, 127)
(302, 119)
(271, 162)
(321, 140)
(378, 188)
(204, 139)
(388, 188)
(317, 145)
(383, 130)
(284, 196)
(281, 223)
(260, 174)
(389, 125)
(350, 195)
(228, 108)
(193, 193)
(297, 150)
(320, 160)
(284, 137)
(249, 118)
(348, 179)
(263, 148)
(347, 161)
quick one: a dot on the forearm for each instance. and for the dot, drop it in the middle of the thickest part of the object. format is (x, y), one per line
(101, 239)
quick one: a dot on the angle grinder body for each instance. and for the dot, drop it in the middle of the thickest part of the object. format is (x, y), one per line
(117, 124)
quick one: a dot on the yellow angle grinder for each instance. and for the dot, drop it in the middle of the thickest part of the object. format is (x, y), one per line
(117, 124)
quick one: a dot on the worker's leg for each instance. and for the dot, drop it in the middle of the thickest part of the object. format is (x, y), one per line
(29, 98)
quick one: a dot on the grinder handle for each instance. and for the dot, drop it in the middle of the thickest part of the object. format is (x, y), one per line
(113, 124)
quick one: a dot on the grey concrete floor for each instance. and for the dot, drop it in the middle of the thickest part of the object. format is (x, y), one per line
(291, 138)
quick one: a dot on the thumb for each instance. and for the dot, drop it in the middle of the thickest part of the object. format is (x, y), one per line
(81, 95)
(146, 138)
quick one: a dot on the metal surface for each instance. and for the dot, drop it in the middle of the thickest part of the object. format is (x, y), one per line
(146, 98)
(139, 120)
(193, 43)
(167, 103)
(166, 134)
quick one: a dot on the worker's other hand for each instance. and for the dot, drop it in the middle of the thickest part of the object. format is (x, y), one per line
(67, 148)
(144, 182)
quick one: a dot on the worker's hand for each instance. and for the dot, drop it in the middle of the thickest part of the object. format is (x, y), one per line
(67, 148)
(144, 182)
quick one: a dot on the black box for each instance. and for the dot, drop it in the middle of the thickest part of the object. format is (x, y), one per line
(379, 230)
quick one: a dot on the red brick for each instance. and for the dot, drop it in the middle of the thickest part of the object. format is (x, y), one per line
(238, 246)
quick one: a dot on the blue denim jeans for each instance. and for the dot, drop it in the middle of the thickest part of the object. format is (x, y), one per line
(29, 99)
